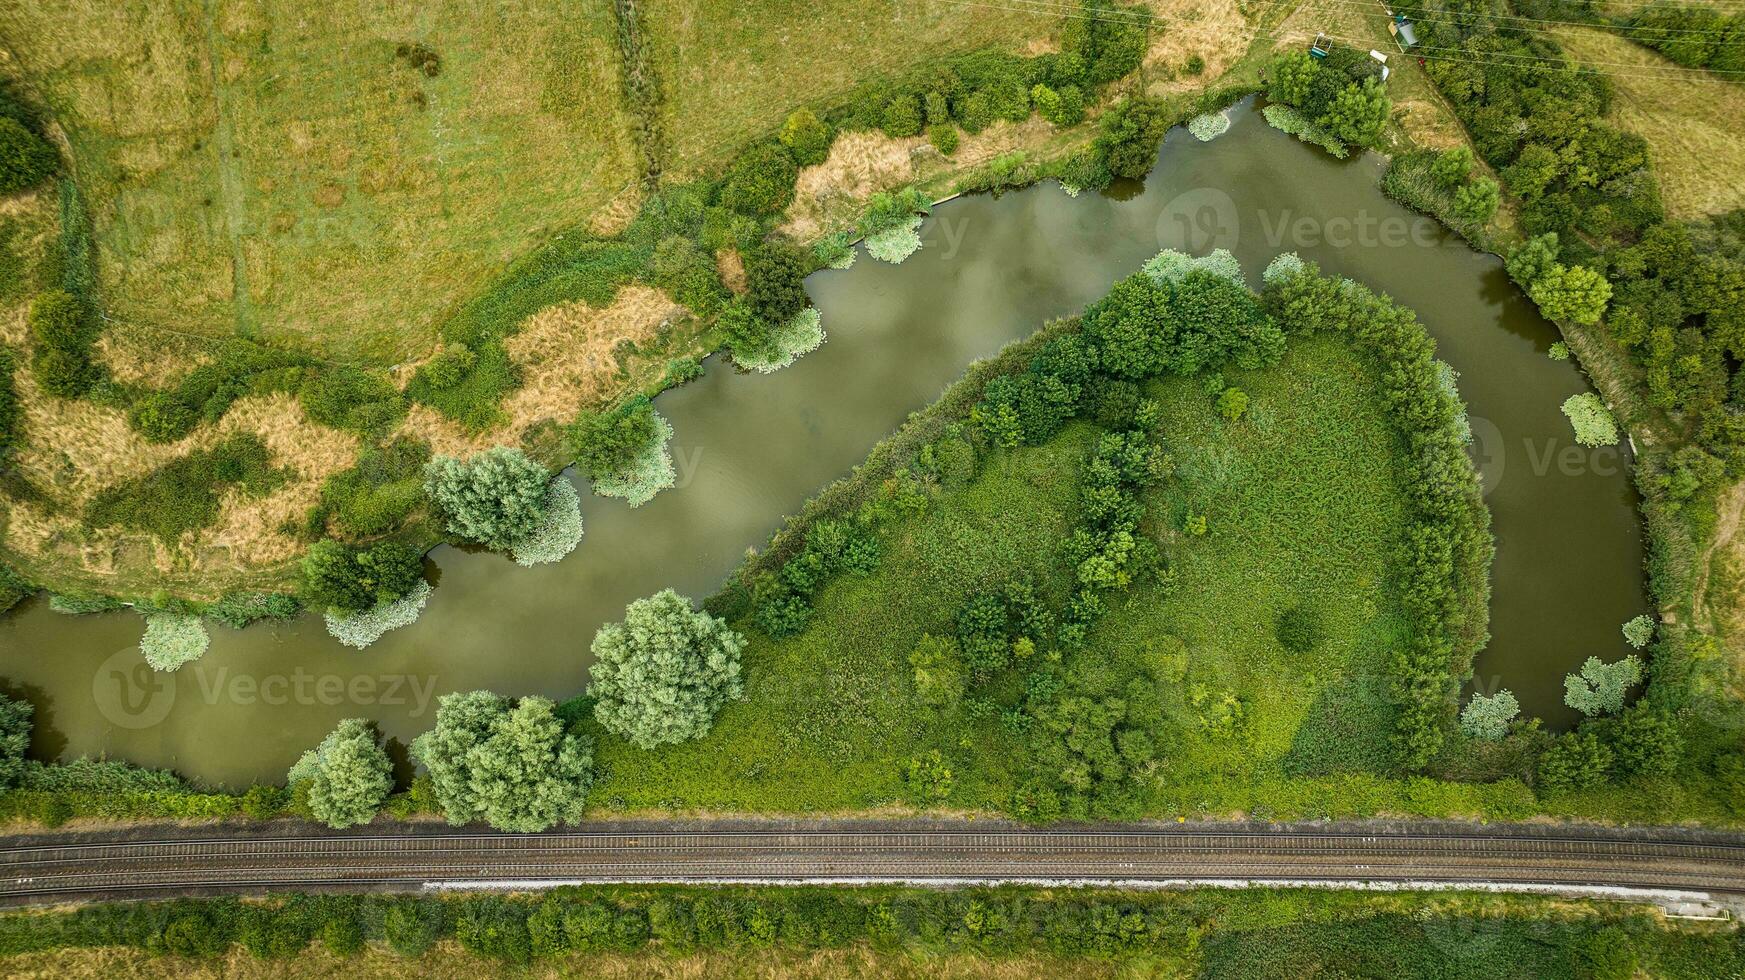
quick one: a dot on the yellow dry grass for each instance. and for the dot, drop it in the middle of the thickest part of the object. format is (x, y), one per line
(448, 962)
(1694, 122)
(860, 163)
(730, 266)
(1215, 30)
(565, 355)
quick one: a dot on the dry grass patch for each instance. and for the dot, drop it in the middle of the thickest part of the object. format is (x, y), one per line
(1694, 122)
(1215, 30)
(567, 358)
(860, 164)
(730, 266)
(150, 358)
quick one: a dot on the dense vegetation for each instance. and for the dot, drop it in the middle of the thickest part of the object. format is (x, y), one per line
(1262, 933)
(1693, 36)
(1599, 250)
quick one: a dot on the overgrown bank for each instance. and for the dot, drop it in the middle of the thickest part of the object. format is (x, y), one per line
(1260, 933)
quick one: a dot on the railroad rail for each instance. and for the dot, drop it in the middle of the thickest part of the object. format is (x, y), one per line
(161, 862)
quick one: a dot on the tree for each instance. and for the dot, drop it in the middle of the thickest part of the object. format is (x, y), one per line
(939, 673)
(492, 497)
(347, 776)
(1451, 167)
(509, 763)
(1476, 203)
(1532, 259)
(15, 726)
(1647, 743)
(1488, 717)
(1574, 292)
(1130, 327)
(775, 281)
(1579, 760)
(1131, 130)
(26, 159)
(1291, 77)
(806, 137)
(1358, 113)
(1600, 687)
(660, 675)
(605, 443)
(355, 579)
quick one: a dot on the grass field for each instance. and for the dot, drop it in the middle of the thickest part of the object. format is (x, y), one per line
(281, 172)
(1689, 118)
(731, 71)
(1303, 505)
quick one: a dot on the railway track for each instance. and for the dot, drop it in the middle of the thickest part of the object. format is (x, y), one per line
(53, 868)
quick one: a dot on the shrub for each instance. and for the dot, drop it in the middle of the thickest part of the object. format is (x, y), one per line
(345, 580)
(1646, 743)
(62, 328)
(1574, 293)
(624, 449)
(1599, 687)
(511, 764)
(345, 397)
(1283, 117)
(1592, 420)
(938, 670)
(492, 497)
(347, 776)
(15, 727)
(379, 492)
(775, 277)
(806, 138)
(1579, 760)
(1129, 136)
(1451, 167)
(172, 640)
(801, 334)
(1488, 718)
(1476, 203)
(26, 159)
(761, 181)
(1232, 403)
(361, 628)
(1639, 631)
(449, 367)
(659, 676)
(162, 417)
(902, 117)
(943, 136)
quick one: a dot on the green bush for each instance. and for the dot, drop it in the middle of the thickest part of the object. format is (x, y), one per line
(183, 495)
(26, 159)
(903, 117)
(378, 492)
(509, 763)
(339, 578)
(346, 777)
(943, 136)
(62, 328)
(806, 138)
(760, 181)
(345, 397)
(775, 277)
(11, 414)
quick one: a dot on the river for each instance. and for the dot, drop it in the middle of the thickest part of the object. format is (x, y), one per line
(752, 448)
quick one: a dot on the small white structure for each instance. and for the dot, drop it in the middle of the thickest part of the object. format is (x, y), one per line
(1377, 55)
